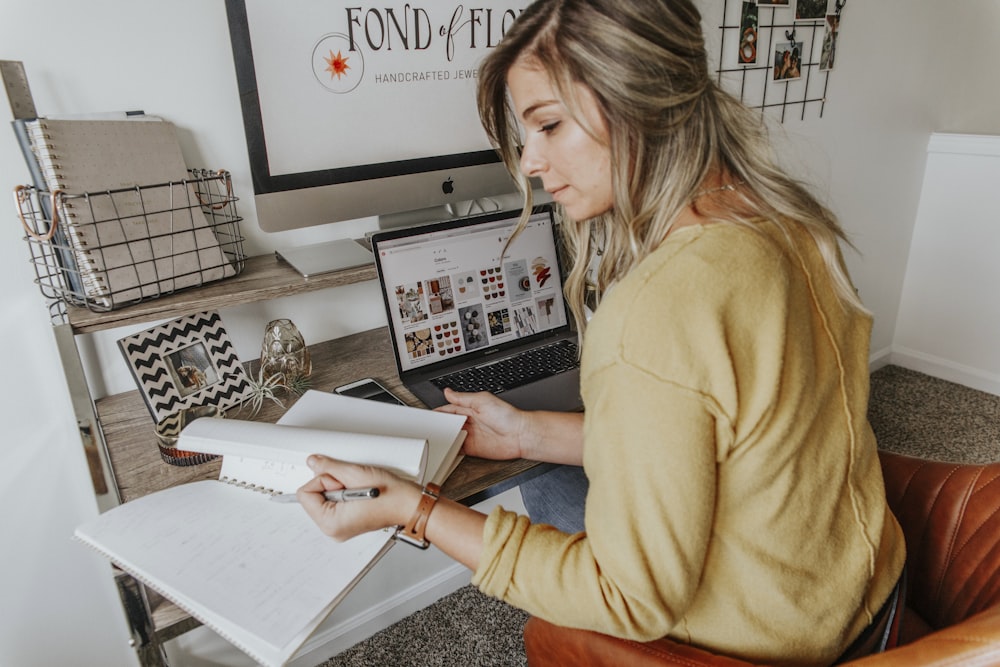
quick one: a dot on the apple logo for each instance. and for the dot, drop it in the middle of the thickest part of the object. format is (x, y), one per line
(448, 186)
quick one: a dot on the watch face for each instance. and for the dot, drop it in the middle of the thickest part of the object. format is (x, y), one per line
(401, 534)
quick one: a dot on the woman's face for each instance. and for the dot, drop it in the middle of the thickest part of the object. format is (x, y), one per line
(575, 168)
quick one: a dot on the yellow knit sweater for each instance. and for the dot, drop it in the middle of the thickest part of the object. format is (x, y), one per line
(736, 500)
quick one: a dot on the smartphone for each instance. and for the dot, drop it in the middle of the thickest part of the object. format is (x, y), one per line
(368, 388)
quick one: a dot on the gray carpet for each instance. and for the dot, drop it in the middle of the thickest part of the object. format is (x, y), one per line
(464, 629)
(911, 413)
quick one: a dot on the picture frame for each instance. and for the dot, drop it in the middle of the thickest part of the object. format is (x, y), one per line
(829, 49)
(747, 48)
(787, 61)
(811, 10)
(185, 363)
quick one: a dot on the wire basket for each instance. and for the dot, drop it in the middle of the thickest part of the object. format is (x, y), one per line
(105, 250)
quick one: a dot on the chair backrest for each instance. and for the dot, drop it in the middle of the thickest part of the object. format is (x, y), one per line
(950, 514)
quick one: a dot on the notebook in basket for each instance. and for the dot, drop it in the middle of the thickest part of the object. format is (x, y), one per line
(133, 228)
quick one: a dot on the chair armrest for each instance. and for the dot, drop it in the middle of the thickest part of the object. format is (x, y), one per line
(549, 645)
(973, 642)
(950, 515)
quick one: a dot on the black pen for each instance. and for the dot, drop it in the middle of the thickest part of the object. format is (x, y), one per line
(339, 496)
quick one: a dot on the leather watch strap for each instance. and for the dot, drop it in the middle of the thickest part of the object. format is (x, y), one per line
(413, 531)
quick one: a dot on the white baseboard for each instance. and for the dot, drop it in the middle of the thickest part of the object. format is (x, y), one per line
(878, 359)
(422, 578)
(364, 613)
(330, 641)
(945, 369)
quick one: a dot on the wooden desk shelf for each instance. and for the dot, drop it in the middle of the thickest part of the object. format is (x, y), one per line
(122, 449)
(138, 468)
(263, 277)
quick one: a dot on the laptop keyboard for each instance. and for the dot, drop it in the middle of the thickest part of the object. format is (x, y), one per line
(514, 371)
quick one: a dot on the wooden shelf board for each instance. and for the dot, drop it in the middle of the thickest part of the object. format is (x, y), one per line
(263, 277)
(139, 470)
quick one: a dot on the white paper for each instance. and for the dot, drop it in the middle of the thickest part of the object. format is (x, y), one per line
(443, 431)
(261, 573)
(280, 450)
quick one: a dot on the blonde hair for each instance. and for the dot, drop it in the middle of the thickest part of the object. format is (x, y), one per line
(669, 127)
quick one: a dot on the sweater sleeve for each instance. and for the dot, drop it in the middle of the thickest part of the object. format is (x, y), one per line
(650, 459)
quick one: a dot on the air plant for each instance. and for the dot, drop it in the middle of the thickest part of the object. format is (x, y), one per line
(298, 384)
(263, 388)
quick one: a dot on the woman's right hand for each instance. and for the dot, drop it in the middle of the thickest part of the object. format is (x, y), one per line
(495, 428)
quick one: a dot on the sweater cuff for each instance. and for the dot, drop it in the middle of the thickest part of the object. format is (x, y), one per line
(502, 537)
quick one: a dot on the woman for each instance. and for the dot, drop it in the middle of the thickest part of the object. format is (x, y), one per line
(735, 497)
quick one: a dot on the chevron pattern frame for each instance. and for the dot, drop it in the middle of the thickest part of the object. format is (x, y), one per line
(187, 362)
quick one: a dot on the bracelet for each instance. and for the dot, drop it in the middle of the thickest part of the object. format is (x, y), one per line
(413, 532)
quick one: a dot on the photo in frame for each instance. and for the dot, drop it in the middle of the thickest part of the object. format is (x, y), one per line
(787, 61)
(748, 33)
(829, 51)
(811, 10)
(185, 363)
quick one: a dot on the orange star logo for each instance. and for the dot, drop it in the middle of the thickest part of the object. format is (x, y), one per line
(337, 65)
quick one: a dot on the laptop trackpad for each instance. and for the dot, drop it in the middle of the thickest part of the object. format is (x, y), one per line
(559, 392)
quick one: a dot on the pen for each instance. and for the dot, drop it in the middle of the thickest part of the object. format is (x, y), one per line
(342, 495)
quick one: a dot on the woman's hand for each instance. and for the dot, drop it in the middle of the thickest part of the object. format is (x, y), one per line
(453, 528)
(498, 430)
(495, 428)
(397, 498)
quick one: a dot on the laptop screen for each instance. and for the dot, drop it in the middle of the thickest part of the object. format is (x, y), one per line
(450, 295)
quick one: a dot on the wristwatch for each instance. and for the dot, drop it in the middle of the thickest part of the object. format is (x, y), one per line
(413, 532)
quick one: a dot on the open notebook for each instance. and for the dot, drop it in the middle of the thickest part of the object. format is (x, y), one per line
(261, 573)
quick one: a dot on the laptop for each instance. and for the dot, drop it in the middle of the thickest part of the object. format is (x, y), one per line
(462, 316)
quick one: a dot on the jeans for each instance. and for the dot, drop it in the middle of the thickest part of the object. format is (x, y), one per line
(557, 498)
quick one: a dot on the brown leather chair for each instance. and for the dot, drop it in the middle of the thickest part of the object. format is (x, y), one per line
(950, 514)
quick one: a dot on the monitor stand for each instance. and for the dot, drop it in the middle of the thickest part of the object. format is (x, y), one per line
(506, 202)
(317, 258)
(424, 216)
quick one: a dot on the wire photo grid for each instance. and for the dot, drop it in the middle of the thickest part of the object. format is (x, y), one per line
(778, 54)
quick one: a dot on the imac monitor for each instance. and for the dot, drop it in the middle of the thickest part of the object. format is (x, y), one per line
(354, 110)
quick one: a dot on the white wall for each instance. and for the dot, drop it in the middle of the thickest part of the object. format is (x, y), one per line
(895, 83)
(58, 604)
(949, 316)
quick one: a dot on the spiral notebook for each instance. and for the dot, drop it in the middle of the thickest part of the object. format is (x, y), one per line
(128, 242)
(261, 573)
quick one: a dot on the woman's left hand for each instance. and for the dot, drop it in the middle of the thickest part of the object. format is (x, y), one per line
(397, 499)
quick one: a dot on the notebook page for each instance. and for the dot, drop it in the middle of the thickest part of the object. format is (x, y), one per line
(258, 572)
(443, 431)
(275, 454)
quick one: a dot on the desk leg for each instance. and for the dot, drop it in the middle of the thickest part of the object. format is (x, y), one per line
(90, 434)
(144, 640)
